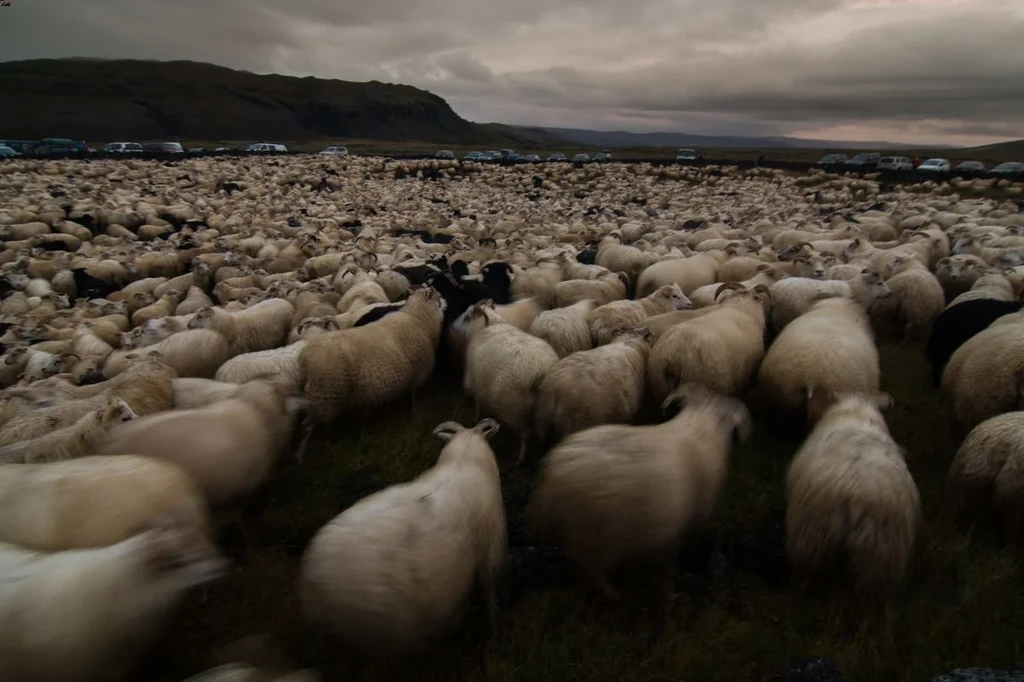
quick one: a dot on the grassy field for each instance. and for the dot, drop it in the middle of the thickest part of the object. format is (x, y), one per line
(736, 617)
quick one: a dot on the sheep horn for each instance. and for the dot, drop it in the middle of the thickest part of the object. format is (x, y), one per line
(447, 430)
(487, 427)
(728, 285)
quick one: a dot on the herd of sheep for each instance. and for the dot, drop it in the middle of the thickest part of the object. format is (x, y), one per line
(170, 330)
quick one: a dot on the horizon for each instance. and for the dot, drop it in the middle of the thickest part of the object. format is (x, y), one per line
(920, 72)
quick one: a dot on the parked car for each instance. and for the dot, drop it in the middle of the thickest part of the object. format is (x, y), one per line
(473, 156)
(581, 158)
(337, 150)
(556, 156)
(444, 154)
(895, 163)
(20, 146)
(688, 155)
(124, 148)
(490, 156)
(603, 155)
(1008, 168)
(972, 166)
(530, 158)
(6, 152)
(266, 147)
(196, 150)
(163, 148)
(56, 146)
(833, 160)
(935, 166)
(865, 160)
(222, 149)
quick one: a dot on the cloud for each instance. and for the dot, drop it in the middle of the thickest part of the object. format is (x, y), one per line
(923, 70)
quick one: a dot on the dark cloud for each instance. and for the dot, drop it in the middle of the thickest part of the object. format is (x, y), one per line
(923, 68)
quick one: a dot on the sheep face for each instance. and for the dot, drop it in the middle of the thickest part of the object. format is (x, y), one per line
(876, 284)
(117, 411)
(811, 266)
(203, 318)
(672, 292)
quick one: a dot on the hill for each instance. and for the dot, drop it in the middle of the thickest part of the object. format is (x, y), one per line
(1008, 150)
(104, 100)
(622, 138)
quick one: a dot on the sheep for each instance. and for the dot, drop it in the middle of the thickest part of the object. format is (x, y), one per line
(538, 283)
(89, 614)
(916, 302)
(228, 447)
(720, 350)
(194, 301)
(77, 440)
(828, 348)
(793, 296)
(986, 471)
(163, 307)
(520, 315)
(191, 393)
(765, 276)
(92, 501)
(261, 327)
(504, 366)
(191, 353)
(957, 274)
(960, 322)
(604, 289)
(600, 386)
(659, 324)
(372, 365)
(982, 376)
(614, 492)
(606, 319)
(567, 329)
(282, 362)
(689, 273)
(393, 570)
(850, 496)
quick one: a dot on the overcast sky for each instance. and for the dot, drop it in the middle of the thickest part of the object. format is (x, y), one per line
(927, 71)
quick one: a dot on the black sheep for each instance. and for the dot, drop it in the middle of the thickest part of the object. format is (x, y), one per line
(588, 255)
(88, 286)
(417, 274)
(377, 313)
(454, 295)
(958, 324)
(496, 284)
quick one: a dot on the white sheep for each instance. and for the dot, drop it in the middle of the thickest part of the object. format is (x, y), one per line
(987, 472)
(720, 350)
(689, 273)
(283, 362)
(600, 386)
(982, 377)
(828, 348)
(850, 496)
(504, 366)
(793, 296)
(606, 319)
(612, 493)
(916, 302)
(77, 440)
(92, 501)
(567, 330)
(391, 571)
(261, 327)
(89, 614)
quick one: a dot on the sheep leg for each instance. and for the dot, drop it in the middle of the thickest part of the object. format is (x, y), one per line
(307, 433)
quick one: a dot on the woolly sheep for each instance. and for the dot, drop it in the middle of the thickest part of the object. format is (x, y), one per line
(73, 441)
(850, 495)
(88, 614)
(605, 320)
(227, 447)
(982, 376)
(916, 302)
(720, 350)
(793, 296)
(504, 366)
(604, 289)
(282, 362)
(375, 364)
(828, 348)
(988, 471)
(960, 322)
(92, 501)
(689, 273)
(191, 393)
(957, 274)
(765, 276)
(613, 492)
(393, 570)
(261, 327)
(600, 386)
(191, 353)
(567, 330)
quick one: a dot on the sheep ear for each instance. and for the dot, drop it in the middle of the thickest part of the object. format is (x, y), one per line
(447, 430)
(882, 400)
(487, 428)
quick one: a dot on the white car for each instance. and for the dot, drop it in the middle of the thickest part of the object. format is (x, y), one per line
(266, 147)
(935, 166)
(895, 163)
(124, 148)
(335, 151)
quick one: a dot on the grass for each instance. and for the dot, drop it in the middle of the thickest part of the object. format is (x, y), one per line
(737, 616)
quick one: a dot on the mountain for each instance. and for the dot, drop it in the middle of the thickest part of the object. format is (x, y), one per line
(1006, 150)
(622, 138)
(104, 100)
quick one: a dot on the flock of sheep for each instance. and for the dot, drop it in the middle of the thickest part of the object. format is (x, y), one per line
(171, 329)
